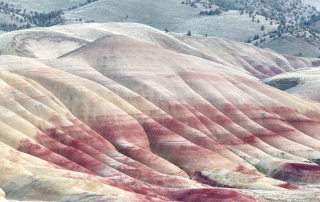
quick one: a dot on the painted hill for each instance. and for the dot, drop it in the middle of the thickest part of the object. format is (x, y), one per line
(126, 112)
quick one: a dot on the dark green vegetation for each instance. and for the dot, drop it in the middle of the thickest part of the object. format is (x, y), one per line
(81, 4)
(284, 84)
(24, 19)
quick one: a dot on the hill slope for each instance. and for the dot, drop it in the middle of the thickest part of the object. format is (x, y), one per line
(126, 112)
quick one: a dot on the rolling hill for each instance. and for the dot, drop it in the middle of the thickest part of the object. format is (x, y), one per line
(123, 111)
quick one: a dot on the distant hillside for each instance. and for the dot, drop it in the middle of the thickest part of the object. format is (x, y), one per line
(262, 23)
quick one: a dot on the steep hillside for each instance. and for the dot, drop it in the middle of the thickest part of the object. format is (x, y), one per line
(290, 45)
(127, 112)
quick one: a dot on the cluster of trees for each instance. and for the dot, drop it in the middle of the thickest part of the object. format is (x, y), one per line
(46, 19)
(256, 36)
(293, 11)
(25, 20)
(7, 27)
(208, 4)
(293, 17)
(300, 17)
(312, 20)
(283, 28)
(82, 4)
(223, 4)
(29, 19)
(211, 12)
